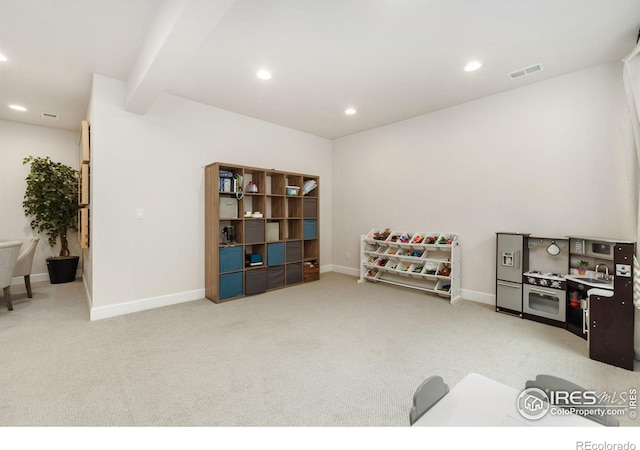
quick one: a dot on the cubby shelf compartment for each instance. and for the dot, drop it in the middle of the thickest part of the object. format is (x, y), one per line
(259, 240)
(424, 260)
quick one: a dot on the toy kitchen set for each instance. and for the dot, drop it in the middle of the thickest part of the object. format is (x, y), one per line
(583, 284)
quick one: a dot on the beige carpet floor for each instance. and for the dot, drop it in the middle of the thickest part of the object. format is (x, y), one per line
(328, 353)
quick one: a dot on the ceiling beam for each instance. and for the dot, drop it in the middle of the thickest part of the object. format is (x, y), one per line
(180, 27)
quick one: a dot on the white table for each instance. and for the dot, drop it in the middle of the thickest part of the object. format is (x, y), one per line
(478, 401)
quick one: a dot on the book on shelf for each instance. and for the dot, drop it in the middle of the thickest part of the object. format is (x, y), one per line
(227, 181)
(228, 185)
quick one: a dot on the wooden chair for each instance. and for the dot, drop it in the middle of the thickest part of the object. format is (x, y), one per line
(428, 394)
(8, 257)
(549, 383)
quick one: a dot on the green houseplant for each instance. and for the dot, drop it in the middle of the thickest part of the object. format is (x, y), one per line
(583, 266)
(51, 200)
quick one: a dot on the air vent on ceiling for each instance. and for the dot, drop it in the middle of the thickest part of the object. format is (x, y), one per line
(525, 71)
(52, 116)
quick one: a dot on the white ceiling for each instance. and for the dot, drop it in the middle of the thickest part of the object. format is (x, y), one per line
(390, 59)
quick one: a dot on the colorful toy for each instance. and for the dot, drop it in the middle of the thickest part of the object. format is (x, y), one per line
(445, 270)
(381, 235)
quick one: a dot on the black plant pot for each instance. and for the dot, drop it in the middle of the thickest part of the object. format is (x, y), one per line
(62, 269)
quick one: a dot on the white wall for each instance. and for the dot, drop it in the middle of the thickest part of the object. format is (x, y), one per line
(543, 159)
(17, 141)
(155, 161)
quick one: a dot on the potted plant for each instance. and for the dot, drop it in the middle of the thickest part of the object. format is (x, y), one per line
(51, 200)
(583, 266)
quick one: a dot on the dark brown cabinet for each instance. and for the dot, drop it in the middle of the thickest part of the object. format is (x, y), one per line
(612, 318)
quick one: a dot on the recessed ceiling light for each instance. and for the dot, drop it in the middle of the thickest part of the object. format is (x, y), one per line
(18, 107)
(350, 111)
(473, 65)
(2, 58)
(264, 74)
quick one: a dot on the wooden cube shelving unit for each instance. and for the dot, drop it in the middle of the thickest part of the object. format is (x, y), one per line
(247, 255)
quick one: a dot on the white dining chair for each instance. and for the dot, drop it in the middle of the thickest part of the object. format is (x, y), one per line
(8, 257)
(25, 261)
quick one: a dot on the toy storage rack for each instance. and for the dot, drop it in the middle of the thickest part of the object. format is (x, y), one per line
(427, 261)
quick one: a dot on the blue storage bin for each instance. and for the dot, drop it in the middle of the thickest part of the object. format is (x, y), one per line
(310, 229)
(230, 285)
(275, 254)
(230, 259)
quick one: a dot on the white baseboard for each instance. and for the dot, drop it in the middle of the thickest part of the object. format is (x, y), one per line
(36, 277)
(104, 312)
(144, 304)
(345, 270)
(479, 297)
(120, 309)
(326, 268)
(467, 294)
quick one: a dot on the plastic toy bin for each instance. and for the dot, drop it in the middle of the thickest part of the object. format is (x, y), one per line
(293, 190)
